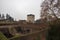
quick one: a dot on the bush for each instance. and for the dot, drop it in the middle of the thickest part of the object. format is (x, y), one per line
(54, 32)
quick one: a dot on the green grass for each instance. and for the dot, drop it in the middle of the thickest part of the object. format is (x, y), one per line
(15, 37)
(2, 37)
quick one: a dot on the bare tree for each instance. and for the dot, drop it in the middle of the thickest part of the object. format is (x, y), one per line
(50, 8)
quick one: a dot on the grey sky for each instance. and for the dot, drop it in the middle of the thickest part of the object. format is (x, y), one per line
(20, 8)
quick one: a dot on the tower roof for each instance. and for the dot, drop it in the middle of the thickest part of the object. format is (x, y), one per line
(30, 15)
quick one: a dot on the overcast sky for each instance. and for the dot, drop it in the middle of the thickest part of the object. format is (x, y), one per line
(20, 8)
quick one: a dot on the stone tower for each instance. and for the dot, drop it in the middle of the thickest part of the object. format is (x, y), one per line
(31, 18)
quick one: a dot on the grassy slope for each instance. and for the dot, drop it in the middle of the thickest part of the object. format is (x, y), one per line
(2, 37)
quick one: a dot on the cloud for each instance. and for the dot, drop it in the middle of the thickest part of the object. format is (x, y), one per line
(20, 8)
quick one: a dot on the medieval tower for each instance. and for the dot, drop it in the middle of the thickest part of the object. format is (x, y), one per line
(30, 18)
